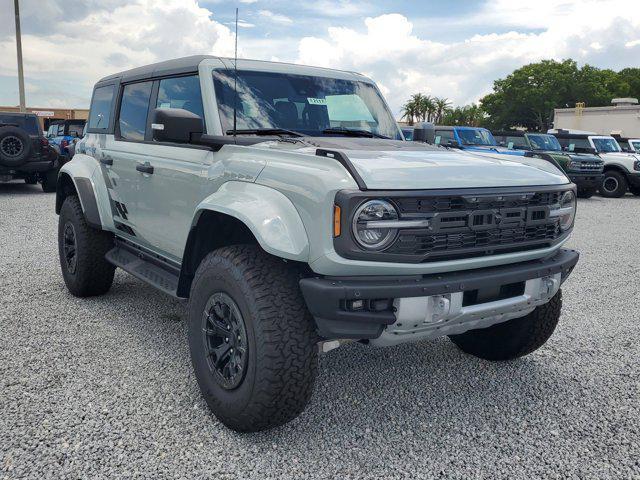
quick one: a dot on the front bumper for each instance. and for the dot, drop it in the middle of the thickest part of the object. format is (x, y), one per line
(433, 305)
(586, 180)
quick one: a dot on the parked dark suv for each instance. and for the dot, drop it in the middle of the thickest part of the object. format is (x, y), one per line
(25, 153)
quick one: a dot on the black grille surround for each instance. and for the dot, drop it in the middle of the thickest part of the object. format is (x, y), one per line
(463, 223)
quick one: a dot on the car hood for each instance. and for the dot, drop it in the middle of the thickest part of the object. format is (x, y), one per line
(397, 165)
(619, 156)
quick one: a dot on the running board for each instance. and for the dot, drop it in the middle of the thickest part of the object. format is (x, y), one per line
(142, 268)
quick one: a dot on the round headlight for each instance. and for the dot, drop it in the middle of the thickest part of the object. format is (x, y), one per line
(369, 227)
(567, 210)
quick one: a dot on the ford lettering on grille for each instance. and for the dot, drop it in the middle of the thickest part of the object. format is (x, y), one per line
(496, 218)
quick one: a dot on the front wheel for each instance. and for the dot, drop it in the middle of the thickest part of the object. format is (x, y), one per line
(614, 184)
(514, 338)
(251, 337)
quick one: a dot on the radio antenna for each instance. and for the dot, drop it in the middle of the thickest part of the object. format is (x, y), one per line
(235, 83)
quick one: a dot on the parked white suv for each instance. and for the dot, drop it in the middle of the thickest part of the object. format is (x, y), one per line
(621, 169)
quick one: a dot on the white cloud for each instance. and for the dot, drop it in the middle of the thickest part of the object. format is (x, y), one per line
(275, 17)
(389, 51)
(107, 40)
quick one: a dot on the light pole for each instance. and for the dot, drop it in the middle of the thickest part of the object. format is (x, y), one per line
(19, 47)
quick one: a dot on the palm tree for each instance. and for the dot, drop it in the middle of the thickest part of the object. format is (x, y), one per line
(427, 107)
(442, 106)
(411, 111)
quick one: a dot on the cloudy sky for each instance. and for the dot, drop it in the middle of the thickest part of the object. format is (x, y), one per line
(447, 48)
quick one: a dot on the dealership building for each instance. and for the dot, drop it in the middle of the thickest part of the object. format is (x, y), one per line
(48, 115)
(621, 118)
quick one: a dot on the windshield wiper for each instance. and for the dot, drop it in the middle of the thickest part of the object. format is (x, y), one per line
(264, 131)
(352, 132)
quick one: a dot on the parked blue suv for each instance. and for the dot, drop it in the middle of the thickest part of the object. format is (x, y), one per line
(63, 133)
(474, 139)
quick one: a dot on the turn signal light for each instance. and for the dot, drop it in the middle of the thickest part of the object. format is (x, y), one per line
(336, 221)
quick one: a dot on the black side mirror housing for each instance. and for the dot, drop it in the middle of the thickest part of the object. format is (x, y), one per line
(424, 132)
(176, 125)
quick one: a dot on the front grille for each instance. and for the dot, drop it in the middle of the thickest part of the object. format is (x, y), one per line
(470, 243)
(589, 166)
(465, 226)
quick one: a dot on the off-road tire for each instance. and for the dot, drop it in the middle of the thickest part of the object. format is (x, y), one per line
(15, 146)
(93, 275)
(514, 338)
(49, 181)
(281, 340)
(31, 180)
(634, 190)
(621, 188)
(587, 192)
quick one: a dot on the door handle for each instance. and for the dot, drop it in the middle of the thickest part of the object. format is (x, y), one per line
(106, 161)
(144, 168)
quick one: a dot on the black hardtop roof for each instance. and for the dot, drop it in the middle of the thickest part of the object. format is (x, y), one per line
(572, 135)
(168, 67)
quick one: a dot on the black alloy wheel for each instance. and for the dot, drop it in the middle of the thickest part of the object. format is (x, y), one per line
(11, 146)
(225, 337)
(70, 247)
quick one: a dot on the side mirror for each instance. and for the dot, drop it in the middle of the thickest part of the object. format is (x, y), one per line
(424, 132)
(453, 144)
(175, 125)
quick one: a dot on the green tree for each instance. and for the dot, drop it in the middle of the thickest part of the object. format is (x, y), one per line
(527, 97)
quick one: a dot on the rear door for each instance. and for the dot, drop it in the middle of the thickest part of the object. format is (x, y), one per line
(124, 152)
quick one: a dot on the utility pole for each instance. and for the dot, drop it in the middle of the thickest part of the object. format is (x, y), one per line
(23, 107)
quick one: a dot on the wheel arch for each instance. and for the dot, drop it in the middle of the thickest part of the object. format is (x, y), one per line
(243, 213)
(83, 178)
(616, 166)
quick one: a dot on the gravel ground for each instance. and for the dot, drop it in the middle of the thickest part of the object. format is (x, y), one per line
(103, 387)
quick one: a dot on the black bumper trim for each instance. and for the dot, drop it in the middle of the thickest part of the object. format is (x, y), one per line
(586, 179)
(634, 179)
(325, 296)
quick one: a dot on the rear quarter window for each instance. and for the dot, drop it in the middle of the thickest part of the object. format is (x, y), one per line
(101, 105)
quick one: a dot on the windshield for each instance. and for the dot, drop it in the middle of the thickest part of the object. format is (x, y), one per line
(544, 142)
(606, 145)
(476, 136)
(306, 104)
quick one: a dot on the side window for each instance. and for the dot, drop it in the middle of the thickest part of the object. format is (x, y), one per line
(101, 107)
(181, 92)
(134, 108)
(446, 136)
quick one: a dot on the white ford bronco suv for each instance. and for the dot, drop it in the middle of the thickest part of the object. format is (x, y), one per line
(283, 203)
(621, 169)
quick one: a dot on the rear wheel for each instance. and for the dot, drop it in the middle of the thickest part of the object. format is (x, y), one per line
(252, 341)
(31, 180)
(514, 338)
(82, 250)
(614, 184)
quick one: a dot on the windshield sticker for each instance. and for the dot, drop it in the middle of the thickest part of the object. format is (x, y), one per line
(317, 101)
